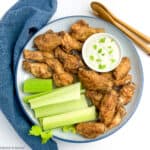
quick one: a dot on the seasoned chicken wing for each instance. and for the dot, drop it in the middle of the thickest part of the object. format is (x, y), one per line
(39, 70)
(95, 97)
(69, 43)
(81, 30)
(93, 81)
(108, 107)
(125, 80)
(108, 75)
(90, 129)
(47, 41)
(61, 77)
(37, 55)
(126, 93)
(120, 113)
(122, 70)
(71, 62)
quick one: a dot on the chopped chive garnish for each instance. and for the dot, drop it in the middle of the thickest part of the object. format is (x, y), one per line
(95, 46)
(109, 46)
(103, 54)
(112, 40)
(91, 57)
(102, 40)
(100, 50)
(98, 60)
(110, 52)
(100, 66)
(112, 60)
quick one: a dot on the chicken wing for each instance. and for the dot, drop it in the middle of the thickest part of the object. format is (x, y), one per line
(108, 107)
(39, 70)
(95, 97)
(108, 75)
(47, 41)
(37, 55)
(93, 81)
(122, 70)
(126, 93)
(71, 62)
(127, 79)
(81, 30)
(61, 77)
(69, 43)
(120, 113)
(90, 129)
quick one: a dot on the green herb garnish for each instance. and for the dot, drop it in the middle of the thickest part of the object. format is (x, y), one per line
(110, 52)
(95, 46)
(91, 57)
(101, 66)
(102, 40)
(103, 54)
(98, 60)
(100, 50)
(109, 46)
(112, 40)
(112, 60)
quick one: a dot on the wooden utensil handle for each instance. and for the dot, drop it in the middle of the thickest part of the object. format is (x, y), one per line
(131, 29)
(97, 5)
(132, 36)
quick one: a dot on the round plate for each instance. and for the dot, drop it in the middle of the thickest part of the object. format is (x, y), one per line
(128, 50)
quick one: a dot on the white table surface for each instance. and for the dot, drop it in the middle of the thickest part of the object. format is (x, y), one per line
(135, 134)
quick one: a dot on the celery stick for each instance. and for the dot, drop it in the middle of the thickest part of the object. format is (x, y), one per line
(37, 85)
(64, 94)
(70, 118)
(32, 96)
(60, 108)
(28, 97)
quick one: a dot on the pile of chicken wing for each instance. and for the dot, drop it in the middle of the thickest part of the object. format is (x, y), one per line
(58, 56)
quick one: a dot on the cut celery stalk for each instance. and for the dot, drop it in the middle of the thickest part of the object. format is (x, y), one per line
(70, 118)
(28, 97)
(64, 94)
(60, 108)
(37, 85)
(32, 96)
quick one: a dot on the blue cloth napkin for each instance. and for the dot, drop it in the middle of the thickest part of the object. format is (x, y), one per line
(16, 28)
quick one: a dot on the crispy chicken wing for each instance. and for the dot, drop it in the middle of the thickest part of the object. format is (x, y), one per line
(122, 70)
(120, 113)
(39, 70)
(93, 81)
(90, 129)
(126, 93)
(125, 80)
(69, 43)
(61, 77)
(47, 41)
(71, 62)
(81, 30)
(108, 107)
(108, 75)
(95, 97)
(37, 55)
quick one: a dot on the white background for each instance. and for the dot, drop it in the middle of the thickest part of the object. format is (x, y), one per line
(135, 134)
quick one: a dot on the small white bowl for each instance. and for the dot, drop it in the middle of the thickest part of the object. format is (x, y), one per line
(87, 46)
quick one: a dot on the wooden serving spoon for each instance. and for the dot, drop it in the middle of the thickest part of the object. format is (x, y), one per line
(138, 37)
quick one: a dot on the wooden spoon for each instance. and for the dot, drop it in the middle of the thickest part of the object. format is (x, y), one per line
(138, 33)
(105, 14)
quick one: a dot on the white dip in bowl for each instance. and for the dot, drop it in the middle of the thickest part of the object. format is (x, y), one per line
(102, 52)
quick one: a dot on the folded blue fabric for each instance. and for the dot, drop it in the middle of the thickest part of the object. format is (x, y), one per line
(16, 28)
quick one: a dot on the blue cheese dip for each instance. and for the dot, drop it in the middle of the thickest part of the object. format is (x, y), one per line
(102, 52)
